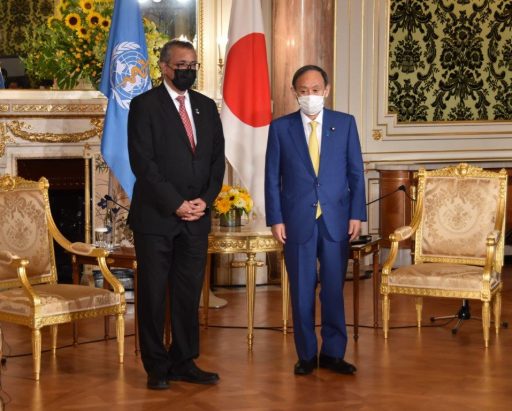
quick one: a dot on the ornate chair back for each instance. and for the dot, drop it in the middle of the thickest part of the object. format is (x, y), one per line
(24, 230)
(459, 209)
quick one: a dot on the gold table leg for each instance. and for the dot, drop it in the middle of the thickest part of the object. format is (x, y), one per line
(250, 266)
(376, 283)
(206, 290)
(285, 292)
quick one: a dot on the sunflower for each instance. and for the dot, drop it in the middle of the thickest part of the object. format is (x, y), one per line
(83, 33)
(105, 24)
(86, 5)
(73, 21)
(94, 18)
(50, 20)
(222, 205)
(63, 6)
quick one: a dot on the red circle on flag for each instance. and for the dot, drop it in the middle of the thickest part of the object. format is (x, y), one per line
(246, 89)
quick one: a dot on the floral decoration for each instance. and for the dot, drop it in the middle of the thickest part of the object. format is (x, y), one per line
(233, 198)
(72, 45)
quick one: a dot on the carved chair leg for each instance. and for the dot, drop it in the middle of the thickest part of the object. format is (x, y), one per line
(486, 321)
(120, 336)
(53, 332)
(497, 311)
(385, 315)
(36, 352)
(419, 309)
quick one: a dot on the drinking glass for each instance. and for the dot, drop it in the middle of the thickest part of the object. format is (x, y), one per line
(100, 237)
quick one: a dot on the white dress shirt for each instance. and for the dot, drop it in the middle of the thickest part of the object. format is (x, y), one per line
(188, 106)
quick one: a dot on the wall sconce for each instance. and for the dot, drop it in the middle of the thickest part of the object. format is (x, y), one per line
(222, 42)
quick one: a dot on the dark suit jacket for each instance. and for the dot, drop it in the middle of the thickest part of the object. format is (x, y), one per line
(292, 188)
(167, 171)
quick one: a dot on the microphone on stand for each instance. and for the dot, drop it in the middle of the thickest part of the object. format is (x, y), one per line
(399, 188)
(363, 239)
(109, 198)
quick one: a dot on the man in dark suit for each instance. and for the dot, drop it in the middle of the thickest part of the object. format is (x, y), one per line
(176, 148)
(315, 202)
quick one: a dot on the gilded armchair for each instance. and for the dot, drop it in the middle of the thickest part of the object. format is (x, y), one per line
(458, 227)
(29, 293)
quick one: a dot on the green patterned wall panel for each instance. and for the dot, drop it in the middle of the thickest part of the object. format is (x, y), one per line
(450, 60)
(17, 17)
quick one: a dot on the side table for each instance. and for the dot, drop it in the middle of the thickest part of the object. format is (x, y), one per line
(357, 253)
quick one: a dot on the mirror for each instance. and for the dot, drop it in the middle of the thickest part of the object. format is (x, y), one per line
(175, 18)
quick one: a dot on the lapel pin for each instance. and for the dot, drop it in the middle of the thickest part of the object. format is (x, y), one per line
(333, 128)
(196, 110)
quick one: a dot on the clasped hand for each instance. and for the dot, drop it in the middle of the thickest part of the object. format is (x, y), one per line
(191, 210)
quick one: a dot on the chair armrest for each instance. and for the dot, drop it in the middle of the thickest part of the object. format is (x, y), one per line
(109, 276)
(402, 233)
(86, 250)
(493, 237)
(494, 255)
(100, 253)
(6, 257)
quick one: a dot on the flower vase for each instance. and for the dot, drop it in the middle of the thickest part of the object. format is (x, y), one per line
(84, 84)
(233, 218)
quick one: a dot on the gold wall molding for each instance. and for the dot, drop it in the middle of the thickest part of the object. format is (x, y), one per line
(58, 108)
(377, 135)
(22, 130)
(4, 138)
(200, 45)
(4, 107)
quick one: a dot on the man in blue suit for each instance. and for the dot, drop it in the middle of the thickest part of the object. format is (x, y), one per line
(315, 202)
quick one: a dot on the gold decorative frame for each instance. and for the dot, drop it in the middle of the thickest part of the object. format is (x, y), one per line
(200, 44)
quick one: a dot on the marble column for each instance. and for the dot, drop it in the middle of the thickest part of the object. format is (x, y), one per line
(303, 33)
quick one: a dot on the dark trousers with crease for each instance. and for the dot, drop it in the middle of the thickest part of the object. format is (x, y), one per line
(176, 262)
(301, 264)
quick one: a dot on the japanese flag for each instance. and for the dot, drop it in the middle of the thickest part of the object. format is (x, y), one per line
(246, 112)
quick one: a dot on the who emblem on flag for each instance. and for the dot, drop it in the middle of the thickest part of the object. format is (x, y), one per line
(125, 75)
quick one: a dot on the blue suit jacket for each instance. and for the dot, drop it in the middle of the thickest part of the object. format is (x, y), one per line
(292, 189)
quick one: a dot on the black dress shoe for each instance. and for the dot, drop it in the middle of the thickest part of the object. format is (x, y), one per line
(338, 365)
(192, 373)
(305, 367)
(157, 383)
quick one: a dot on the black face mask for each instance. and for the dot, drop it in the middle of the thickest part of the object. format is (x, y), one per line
(184, 79)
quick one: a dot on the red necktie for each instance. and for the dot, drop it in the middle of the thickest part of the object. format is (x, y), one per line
(186, 122)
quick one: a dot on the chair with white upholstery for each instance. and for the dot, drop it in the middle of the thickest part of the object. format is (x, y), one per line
(29, 292)
(458, 227)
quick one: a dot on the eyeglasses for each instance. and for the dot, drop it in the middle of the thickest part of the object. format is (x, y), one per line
(185, 66)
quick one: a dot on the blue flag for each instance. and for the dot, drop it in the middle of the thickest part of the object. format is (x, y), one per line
(2, 83)
(125, 75)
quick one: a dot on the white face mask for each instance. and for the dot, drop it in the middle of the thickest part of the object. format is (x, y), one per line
(311, 104)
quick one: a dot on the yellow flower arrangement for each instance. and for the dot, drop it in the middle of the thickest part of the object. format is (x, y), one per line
(72, 45)
(233, 198)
